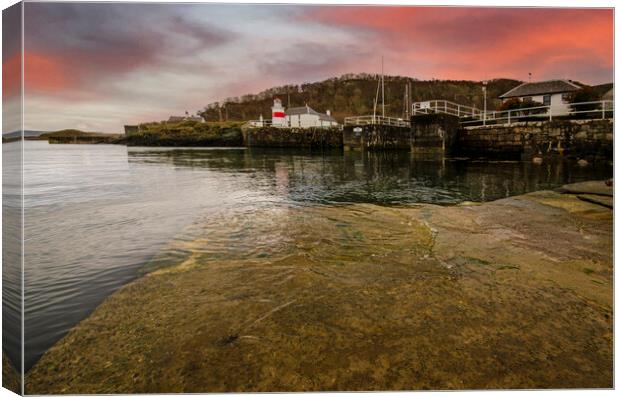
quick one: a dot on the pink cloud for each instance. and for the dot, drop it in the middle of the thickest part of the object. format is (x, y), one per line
(475, 43)
(114, 59)
(11, 71)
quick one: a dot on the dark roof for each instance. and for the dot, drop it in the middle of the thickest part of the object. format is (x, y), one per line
(542, 87)
(309, 110)
(301, 110)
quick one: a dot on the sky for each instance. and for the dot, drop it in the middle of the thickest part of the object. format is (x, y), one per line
(99, 66)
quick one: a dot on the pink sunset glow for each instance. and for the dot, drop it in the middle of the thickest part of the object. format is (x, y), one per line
(114, 63)
(479, 43)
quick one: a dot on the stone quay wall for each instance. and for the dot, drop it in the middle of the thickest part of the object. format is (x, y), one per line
(434, 134)
(293, 137)
(441, 135)
(376, 137)
(573, 138)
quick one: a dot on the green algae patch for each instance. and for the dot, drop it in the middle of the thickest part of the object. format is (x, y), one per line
(361, 297)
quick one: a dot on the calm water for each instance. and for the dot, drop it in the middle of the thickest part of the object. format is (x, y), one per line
(95, 214)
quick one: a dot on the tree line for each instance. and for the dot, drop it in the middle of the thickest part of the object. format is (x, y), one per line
(354, 95)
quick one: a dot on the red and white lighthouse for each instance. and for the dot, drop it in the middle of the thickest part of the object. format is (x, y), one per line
(278, 117)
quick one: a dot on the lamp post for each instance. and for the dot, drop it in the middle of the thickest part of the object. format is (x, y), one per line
(484, 91)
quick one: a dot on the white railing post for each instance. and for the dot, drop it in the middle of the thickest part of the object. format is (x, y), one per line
(604, 103)
(509, 117)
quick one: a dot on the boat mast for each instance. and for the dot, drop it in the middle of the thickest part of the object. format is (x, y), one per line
(406, 102)
(382, 90)
(409, 108)
(374, 108)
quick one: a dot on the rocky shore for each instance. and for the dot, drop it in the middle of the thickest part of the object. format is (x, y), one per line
(515, 293)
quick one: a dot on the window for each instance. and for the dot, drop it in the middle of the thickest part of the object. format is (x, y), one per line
(527, 99)
(546, 100)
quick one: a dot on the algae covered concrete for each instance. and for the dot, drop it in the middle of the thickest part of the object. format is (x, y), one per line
(515, 293)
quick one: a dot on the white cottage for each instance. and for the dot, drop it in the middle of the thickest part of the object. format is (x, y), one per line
(298, 117)
(552, 93)
(306, 117)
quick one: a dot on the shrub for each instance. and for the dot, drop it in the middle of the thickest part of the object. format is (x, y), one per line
(516, 103)
(586, 94)
(510, 104)
(529, 103)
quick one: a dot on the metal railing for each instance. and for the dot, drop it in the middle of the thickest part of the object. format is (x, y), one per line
(376, 120)
(593, 109)
(446, 107)
(473, 116)
(286, 125)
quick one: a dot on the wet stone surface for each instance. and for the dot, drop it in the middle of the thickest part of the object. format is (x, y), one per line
(516, 293)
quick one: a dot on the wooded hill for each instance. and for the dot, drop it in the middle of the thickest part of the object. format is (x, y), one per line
(354, 94)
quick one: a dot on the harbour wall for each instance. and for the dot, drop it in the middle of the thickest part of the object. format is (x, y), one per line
(442, 135)
(434, 134)
(323, 138)
(376, 137)
(525, 140)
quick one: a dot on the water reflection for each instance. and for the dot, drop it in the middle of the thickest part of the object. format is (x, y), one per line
(378, 177)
